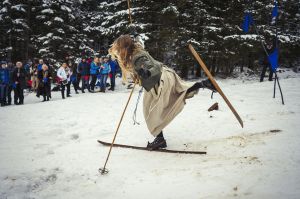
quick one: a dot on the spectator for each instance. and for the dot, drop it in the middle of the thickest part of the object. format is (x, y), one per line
(270, 47)
(78, 78)
(40, 65)
(46, 82)
(27, 67)
(19, 75)
(73, 78)
(113, 66)
(34, 77)
(4, 82)
(63, 73)
(84, 69)
(94, 71)
(39, 77)
(105, 69)
(10, 68)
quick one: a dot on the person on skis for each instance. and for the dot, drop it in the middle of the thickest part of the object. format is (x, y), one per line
(165, 92)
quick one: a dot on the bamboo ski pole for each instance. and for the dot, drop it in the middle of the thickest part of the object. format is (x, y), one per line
(104, 170)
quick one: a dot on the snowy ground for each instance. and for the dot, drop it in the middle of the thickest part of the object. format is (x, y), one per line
(49, 150)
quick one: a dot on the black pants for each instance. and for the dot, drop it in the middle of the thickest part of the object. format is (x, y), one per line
(18, 95)
(75, 85)
(8, 94)
(93, 82)
(113, 80)
(85, 83)
(78, 80)
(3, 91)
(46, 91)
(263, 72)
(63, 88)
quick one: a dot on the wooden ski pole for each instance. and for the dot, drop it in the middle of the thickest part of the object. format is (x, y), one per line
(104, 170)
(213, 81)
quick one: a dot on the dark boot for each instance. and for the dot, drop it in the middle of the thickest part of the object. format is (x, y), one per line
(44, 98)
(63, 95)
(203, 84)
(158, 143)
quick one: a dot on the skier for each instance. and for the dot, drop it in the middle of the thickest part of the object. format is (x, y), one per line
(165, 92)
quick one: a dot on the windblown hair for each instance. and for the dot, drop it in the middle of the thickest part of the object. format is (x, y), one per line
(123, 50)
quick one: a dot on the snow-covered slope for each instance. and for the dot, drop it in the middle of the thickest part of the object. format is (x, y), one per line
(49, 150)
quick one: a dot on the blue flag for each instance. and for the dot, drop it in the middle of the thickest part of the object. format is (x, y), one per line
(273, 59)
(274, 13)
(248, 20)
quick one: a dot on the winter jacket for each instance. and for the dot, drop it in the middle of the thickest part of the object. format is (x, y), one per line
(106, 68)
(19, 75)
(94, 70)
(10, 73)
(46, 77)
(63, 73)
(84, 68)
(40, 67)
(113, 66)
(4, 76)
(148, 69)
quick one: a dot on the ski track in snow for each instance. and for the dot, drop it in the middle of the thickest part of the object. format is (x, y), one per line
(50, 150)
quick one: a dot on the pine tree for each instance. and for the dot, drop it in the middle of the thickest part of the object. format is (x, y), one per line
(55, 30)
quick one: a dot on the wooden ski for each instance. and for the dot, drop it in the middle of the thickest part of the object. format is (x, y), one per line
(158, 150)
(213, 81)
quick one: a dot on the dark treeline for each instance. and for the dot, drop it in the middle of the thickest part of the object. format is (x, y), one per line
(59, 28)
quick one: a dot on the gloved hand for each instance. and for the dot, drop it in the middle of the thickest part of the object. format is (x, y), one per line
(45, 80)
(14, 85)
(144, 73)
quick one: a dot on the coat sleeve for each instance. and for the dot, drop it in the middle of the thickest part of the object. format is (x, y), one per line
(145, 63)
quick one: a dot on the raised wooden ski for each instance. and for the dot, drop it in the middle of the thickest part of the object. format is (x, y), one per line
(213, 81)
(158, 150)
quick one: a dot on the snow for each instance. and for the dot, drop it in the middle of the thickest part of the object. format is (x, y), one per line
(58, 19)
(171, 8)
(49, 11)
(49, 150)
(19, 7)
(63, 7)
(242, 37)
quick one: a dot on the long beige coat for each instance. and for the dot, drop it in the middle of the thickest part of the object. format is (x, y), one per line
(165, 101)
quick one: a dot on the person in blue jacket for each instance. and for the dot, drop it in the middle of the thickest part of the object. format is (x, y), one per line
(4, 82)
(10, 68)
(84, 70)
(94, 71)
(113, 66)
(105, 70)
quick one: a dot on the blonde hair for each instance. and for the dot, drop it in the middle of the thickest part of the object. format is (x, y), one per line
(123, 50)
